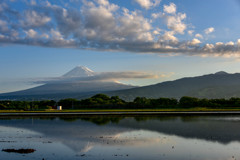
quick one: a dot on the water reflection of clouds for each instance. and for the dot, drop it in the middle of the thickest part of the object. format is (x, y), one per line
(82, 136)
(158, 139)
(233, 119)
(8, 131)
(209, 128)
(83, 144)
(88, 147)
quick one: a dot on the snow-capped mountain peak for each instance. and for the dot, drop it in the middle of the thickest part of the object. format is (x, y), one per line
(79, 71)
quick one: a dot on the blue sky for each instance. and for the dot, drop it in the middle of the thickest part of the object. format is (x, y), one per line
(169, 39)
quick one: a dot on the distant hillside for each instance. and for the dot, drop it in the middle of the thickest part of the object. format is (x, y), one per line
(218, 85)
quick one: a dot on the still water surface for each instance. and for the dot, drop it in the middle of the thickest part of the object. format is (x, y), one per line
(118, 137)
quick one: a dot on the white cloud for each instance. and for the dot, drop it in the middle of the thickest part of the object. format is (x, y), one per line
(209, 30)
(68, 21)
(223, 49)
(14, 34)
(101, 76)
(44, 35)
(3, 26)
(2, 6)
(56, 35)
(195, 42)
(156, 32)
(231, 43)
(48, 4)
(2, 36)
(238, 42)
(157, 15)
(208, 47)
(31, 33)
(219, 44)
(198, 36)
(190, 32)
(176, 24)
(133, 22)
(174, 20)
(34, 19)
(101, 25)
(148, 3)
(169, 36)
(170, 9)
(33, 2)
(103, 2)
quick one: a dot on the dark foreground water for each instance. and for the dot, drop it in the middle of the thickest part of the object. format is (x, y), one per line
(118, 137)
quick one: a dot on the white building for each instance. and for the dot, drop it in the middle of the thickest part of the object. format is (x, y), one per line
(59, 107)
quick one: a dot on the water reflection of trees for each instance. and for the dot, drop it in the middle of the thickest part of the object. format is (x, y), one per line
(105, 119)
(223, 129)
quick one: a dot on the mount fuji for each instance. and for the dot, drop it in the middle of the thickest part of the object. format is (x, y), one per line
(79, 71)
(76, 83)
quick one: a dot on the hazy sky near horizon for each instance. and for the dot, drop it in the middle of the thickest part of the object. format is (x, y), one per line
(168, 38)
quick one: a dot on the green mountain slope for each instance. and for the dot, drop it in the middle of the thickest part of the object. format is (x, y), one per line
(218, 85)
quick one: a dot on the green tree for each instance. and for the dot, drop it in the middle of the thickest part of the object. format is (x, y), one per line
(141, 101)
(163, 102)
(234, 102)
(117, 100)
(67, 103)
(2, 107)
(188, 102)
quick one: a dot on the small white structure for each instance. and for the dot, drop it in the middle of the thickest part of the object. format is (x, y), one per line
(59, 107)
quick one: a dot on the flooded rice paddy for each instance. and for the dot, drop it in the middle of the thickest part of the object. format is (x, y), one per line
(121, 137)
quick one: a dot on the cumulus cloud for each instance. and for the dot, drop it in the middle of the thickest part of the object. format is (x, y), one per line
(190, 32)
(231, 43)
(174, 21)
(176, 24)
(238, 42)
(31, 33)
(3, 26)
(222, 49)
(198, 36)
(148, 3)
(209, 30)
(195, 42)
(171, 9)
(32, 18)
(169, 36)
(101, 25)
(157, 31)
(33, 2)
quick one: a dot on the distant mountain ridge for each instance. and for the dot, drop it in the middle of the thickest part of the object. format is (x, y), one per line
(218, 85)
(221, 73)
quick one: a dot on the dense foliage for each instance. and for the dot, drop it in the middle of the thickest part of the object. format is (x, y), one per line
(26, 105)
(101, 101)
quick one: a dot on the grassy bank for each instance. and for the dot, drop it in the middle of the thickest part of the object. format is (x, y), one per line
(125, 110)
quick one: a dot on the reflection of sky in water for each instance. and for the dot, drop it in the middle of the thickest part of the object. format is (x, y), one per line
(129, 139)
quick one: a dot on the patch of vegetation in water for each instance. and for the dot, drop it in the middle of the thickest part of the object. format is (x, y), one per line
(21, 151)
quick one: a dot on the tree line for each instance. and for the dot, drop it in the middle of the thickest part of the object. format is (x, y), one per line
(102, 101)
